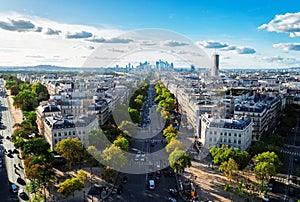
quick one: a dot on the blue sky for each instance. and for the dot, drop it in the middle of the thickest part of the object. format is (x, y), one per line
(237, 24)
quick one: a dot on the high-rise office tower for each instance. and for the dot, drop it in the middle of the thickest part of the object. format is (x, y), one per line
(215, 65)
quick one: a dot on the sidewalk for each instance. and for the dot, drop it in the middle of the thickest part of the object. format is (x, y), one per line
(208, 182)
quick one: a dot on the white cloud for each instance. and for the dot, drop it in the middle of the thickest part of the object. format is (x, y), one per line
(52, 32)
(212, 44)
(286, 23)
(19, 25)
(111, 40)
(225, 47)
(79, 35)
(174, 43)
(244, 50)
(288, 46)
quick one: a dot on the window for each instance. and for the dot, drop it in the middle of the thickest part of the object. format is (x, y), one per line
(55, 134)
(210, 132)
(221, 133)
(239, 142)
(234, 141)
(74, 133)
(234, 134)
(66, 133)
(240, 135)
(55, 141)
(229, 141)
(79, 132)
(210, 139)
(70, 133)
(59, 134)
(215, 132)
(83, 132)
(225, 140)
(215, 139)
(229, 134)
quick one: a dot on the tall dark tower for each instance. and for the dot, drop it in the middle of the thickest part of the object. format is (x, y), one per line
(215, 65)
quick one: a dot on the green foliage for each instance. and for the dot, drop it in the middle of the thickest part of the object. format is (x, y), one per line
(26, 100)
(14, 90)
(41, 91)
(134, 114)
(81, 175)
(114, 157)
(33, 187)
(108, 174)
(71, 149)
(224, 153)
(267, 165)
(170, 136)
(122, 143)
(169, 129)
(128, 128)
(36, 146)
(228, 167)
(173, 144)
(179, 160)
(69, 186)
(164, 98)
(97, 138)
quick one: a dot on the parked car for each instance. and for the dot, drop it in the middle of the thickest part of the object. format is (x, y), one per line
(14, 188)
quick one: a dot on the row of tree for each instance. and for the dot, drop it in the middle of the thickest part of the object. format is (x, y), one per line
(26, 96)
(266, 164)
(136, 101)
(165, 100)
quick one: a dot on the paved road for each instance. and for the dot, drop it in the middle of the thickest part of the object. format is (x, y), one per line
(9, 174)
(136, 187)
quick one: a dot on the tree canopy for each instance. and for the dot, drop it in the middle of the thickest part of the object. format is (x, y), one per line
(71, 149)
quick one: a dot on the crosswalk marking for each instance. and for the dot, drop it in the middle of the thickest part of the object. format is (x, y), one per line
(290, 152)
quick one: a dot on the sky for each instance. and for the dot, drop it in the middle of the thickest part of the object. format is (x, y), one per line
(258, 34)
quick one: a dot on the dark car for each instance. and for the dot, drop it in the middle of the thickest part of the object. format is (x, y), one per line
(124, 180)
(120, 189)
(15, 151)
(21, 181)
(156, 180)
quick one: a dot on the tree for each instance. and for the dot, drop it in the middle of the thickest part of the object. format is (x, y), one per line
(98, 139)
(26, 100)
(41, 91)
(71, 149)
(36, 146)
(173, 144)
(33, 187)
(269, 157)
(241, 158)
(134, 115)
(267, 165)
(128, 128)
(81, 174)
(169, 129)
(114, 157)
(264, 170)
(108, 174)
(228, 168)
(69, 186)
(170, 136)
(179, 160)
(122, 143)
(41, 173)
(14, 90)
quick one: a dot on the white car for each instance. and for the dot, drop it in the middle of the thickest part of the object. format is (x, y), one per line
(137, 156)
(143, 156)
(151, 184)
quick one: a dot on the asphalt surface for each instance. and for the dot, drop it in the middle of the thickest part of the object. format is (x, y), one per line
(10, 170)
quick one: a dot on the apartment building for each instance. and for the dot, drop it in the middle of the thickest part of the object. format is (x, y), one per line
(237, 132)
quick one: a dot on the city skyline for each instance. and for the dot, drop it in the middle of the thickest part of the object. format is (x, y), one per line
(253, 34)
